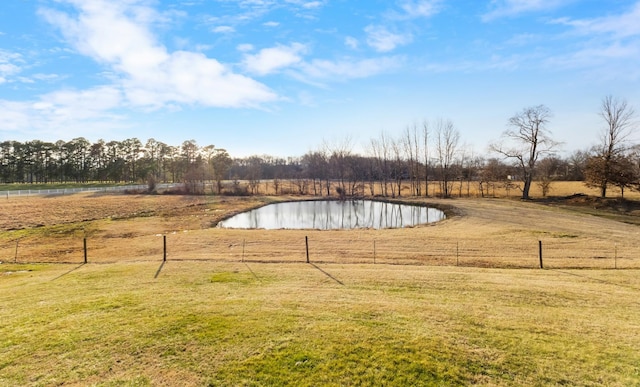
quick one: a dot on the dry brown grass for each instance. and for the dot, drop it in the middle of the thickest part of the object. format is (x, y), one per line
(480, 232)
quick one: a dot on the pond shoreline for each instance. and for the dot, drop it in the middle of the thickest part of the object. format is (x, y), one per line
(331, 214)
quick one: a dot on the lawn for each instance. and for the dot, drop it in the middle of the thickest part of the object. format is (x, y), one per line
(207, 323)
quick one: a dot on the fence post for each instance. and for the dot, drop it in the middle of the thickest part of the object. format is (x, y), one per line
(164, 248)
(540, 253)
(615, 256)
(306, 241)
(15, 258)
(85, 250)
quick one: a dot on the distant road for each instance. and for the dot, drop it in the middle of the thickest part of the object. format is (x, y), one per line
(67, 191)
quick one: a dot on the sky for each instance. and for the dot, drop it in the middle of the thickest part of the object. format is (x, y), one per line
(285, 77)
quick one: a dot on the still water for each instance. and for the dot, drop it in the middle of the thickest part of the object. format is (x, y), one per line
(332, 215)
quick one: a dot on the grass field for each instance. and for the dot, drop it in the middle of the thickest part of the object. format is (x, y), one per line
(205, 323)
(500, 233)
(442, 305)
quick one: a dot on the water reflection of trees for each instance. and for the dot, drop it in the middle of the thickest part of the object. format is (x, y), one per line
(334, 215)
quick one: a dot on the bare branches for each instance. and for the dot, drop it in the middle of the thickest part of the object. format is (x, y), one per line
(604, 167)
(619, 118)
(527, 140)
(447, 141)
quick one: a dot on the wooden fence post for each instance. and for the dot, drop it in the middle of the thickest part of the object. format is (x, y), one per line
(164, 248)
(85, 250)
(540, 253)
(374, 251)
(306, 241)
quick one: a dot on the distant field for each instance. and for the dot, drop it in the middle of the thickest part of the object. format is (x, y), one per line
(208, 323)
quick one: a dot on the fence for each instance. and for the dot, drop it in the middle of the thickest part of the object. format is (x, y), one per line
(324, 247)
(69, 191)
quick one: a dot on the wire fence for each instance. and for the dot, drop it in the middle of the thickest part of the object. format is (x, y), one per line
(318, 247)
(69, 191)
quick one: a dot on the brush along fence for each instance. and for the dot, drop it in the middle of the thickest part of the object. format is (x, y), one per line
(340, 247)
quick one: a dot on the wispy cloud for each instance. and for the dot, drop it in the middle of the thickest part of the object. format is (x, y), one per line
(252, 10)
(511, 8)
(351, 42)
(618, 26)
(223, 30)
(350, 68)
(118, 36)
(420, 8)
(9, 65)
(64, 113)
(269, 60)
(610, 45)
(312, 4)
(383, 40)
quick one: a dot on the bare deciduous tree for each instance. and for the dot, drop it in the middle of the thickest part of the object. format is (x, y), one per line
(619, 119)
(411, 142)
(447, 138)
(379, 149)
(526, 141)
(425, 150)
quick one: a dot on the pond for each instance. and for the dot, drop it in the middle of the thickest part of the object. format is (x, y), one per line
(333, 215)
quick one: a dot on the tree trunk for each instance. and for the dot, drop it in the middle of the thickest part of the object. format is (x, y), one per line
(527, 186)
(603, 190)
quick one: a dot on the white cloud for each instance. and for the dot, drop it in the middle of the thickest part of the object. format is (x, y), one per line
(223, 30)
(8, 66)
(312, 4)
(351, 42)
(13, 116)
(245, 47)
(269, 60)
(118, 35)
(511, 8)
(611, 48)
(382, 40)
(420, 8)
(619, 26)
(64, 113)
(70, 105)
(306, 4)
(350, 68)
(271, 24)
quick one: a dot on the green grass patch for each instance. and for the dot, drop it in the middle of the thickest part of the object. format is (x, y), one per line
(10, 268)
(233, 277)
(229, 324)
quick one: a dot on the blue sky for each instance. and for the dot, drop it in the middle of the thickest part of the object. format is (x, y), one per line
(282, 77)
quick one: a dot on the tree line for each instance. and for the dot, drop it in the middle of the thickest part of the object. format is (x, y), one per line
(423, 155)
